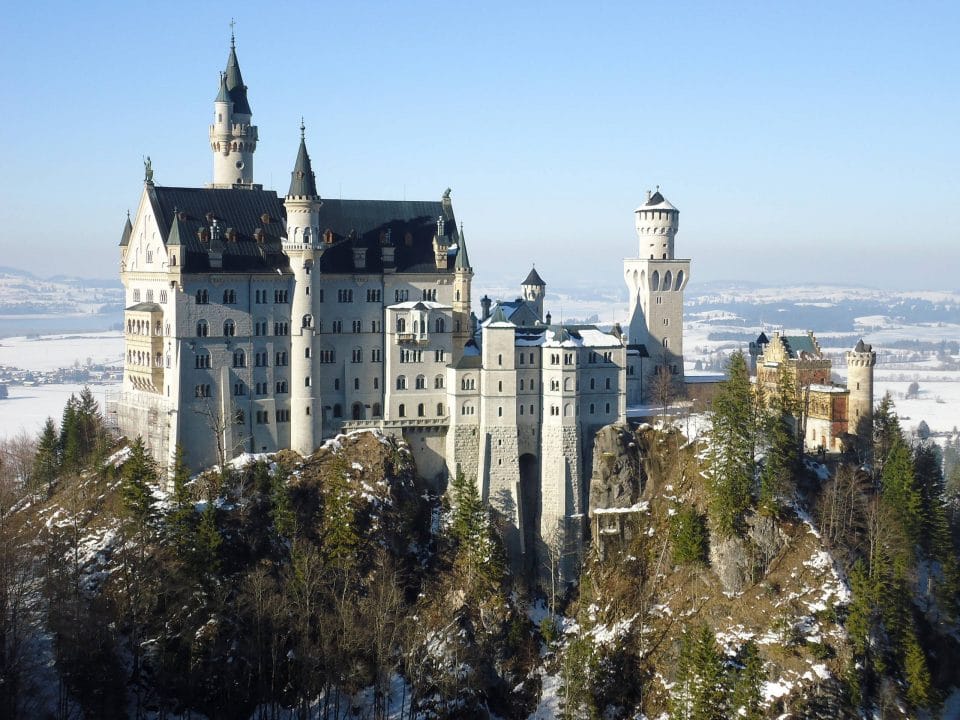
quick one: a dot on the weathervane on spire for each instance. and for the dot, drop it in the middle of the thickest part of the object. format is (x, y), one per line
(232, 39)
(303, 129)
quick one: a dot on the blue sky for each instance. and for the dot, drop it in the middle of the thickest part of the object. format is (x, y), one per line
(802, 142)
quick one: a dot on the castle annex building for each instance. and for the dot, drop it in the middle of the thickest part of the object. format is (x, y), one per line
(256, 322)
(829, 413)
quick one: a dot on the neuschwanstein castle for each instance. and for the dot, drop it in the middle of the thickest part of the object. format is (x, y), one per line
(255, 323)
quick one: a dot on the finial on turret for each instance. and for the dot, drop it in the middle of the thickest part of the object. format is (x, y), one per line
(303, 129)
(233, 43)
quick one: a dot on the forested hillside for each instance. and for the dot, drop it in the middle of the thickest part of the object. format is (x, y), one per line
(745, 580)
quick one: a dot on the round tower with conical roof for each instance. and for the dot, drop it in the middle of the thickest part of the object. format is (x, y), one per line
(303, 224)
(860, 363)
(233, 137)
(462, 280)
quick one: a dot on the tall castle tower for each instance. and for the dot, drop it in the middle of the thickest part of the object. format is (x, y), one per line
(656, 281)
(860, 363)
(462, 280)
(233, 139)
(303, 226)
(534, 288)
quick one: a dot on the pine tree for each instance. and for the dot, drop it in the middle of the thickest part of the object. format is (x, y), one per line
(776, 475)
(479, 552)
(281, 507)
(93, 437)
(46, 463)
(886, 429)
(688, 536)
(732, 444)
(339, 522)
(139, 474)
(898, 489)
(182, 514)
(747, 697)
(917, 674)
(71, 451)
(207, 553)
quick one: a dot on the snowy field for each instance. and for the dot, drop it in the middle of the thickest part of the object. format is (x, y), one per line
(51, 352)
(28, 408)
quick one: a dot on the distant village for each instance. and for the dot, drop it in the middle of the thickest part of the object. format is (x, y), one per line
(91, 374)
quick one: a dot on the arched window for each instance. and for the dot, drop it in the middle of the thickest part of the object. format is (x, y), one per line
(607, 383)
(667, 280)
(591, 408)
(568, 410)
(337, 411)
(239, 359)
(202, 329)
(566, 384)
(593, 385)
(439, 409)
(401, 325)
(357, 411)
(420, 410)
(421, 382)
(401, 382)
(229, 328)
(376, 410)
(439, 325)
(307, 321)
(438, 382)
(401, 410)
(202, 297)
(655, 280)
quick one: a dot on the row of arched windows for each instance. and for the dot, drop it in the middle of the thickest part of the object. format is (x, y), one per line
(142, 358)
(229, 328)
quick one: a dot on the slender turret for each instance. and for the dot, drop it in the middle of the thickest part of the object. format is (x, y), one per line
(303, 219)
(233, 139)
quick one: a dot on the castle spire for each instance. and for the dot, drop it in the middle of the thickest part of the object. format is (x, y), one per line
(463, 260)
(303, 183)
(233, 139)
(235, 86)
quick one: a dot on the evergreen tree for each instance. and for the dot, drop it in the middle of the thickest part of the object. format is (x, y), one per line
(934, 529)
(46, 463)
(689, 537)
(182, 514)
(917, 674)
(886, 429)
(281, 507)
(732, 443)
(747, 697)
(898, 489)
(71, 450)
(339, 522)
(779, 465)
(92, 434)
(138, 475)
(207, 554)
(478, 549)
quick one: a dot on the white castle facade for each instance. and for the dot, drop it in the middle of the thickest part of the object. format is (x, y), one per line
(255, 323)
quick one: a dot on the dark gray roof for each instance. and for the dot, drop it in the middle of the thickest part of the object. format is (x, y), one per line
(178, 230)
(762, 339)
(408, 225)
(302, 180)
(861, 346)
(534, 279)
(655, 199)
(235, 86)
(127, 232)
(145, 307)
(463, 261)
(639, 348)
(244, 212)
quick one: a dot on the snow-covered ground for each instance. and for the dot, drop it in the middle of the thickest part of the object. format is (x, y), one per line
(51, 352)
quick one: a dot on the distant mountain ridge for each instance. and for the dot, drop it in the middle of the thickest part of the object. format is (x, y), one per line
(23, 294)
